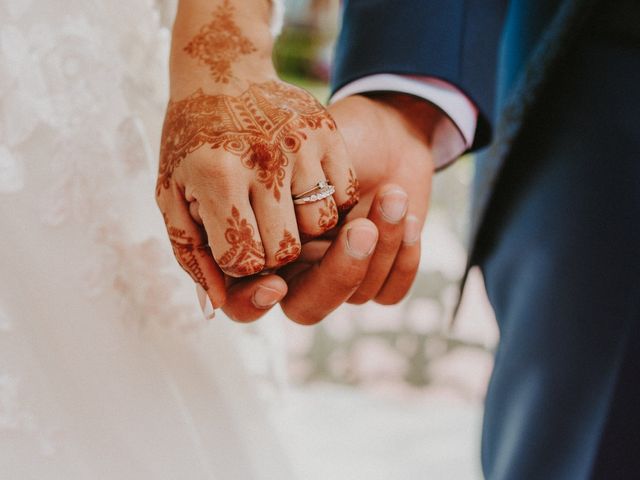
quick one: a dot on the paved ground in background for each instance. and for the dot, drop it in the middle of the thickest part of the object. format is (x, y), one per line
(340, 433)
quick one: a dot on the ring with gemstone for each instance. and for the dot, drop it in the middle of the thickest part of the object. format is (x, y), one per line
(321, 185)
(319, 191)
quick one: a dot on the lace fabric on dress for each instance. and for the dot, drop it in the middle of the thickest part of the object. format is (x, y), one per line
(106, 364)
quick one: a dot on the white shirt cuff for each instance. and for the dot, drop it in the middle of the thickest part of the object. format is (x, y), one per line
(454, 134)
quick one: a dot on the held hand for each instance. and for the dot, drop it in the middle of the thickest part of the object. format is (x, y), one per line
(388, 138)
(237, 144)
(388, 142)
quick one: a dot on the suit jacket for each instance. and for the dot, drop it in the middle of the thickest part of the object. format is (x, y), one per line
(498, 52)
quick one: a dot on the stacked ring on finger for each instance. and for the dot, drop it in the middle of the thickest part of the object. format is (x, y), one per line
(319, 191)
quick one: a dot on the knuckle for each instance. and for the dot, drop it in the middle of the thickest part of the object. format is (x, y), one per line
(349, 279)
(218, 167)
(324, 218)
(388, 245)
(407, 266)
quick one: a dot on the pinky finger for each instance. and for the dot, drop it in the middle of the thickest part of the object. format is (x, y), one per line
(189, 244)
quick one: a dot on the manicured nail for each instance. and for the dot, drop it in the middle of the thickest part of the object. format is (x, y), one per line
(205, 303)
(394, 205)
(361, 241)
(265, 297)
(412, 230)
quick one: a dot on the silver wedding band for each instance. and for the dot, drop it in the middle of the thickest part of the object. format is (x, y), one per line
(319, 191)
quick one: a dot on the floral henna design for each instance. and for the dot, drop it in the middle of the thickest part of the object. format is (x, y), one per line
(261, 126)
(220, 43)
(187, 253)
(353, 192)
(327, 220)
(246, 255)
(289, 249)
(328, 215)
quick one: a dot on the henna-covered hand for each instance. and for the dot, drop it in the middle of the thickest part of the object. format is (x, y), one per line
(260, 127)
(388, 140)
(236, 146)
(245, 255)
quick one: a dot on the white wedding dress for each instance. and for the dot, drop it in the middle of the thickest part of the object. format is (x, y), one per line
(107, 368)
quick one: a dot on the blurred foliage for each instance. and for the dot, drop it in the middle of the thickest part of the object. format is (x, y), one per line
(295, 50)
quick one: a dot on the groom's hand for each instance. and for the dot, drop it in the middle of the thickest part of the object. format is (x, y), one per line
(388, 137)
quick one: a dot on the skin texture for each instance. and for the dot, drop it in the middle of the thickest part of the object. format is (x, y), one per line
(328, 215)
(237, 143)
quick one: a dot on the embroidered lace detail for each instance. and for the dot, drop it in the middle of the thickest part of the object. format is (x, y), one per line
(14, 418)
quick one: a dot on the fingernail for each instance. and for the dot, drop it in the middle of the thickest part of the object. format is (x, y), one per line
(361, 241)
(205, 303)
(394, 205)
(265, 297)
(412, 230)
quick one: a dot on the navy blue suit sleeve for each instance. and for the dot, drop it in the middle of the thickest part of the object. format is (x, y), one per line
(455, 40)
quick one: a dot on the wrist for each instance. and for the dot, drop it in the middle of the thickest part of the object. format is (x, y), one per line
(221, 46)
(184, 79)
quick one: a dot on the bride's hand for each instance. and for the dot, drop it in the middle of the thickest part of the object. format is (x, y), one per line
(237, 144)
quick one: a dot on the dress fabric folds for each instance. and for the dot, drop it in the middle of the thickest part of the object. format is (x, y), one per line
(107, 368)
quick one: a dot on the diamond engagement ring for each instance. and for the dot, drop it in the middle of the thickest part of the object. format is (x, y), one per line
(319, 191)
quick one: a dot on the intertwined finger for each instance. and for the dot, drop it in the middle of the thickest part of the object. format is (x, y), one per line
(320, 289)
(277, 225)
(233, 233)
(340, 172)
(316, 217)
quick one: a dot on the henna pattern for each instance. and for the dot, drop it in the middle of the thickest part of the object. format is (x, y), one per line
(246, 255)
(328, 215)
(261, 126)
(187, 252)
(220, 43)
(289, 249)
(353, 192)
